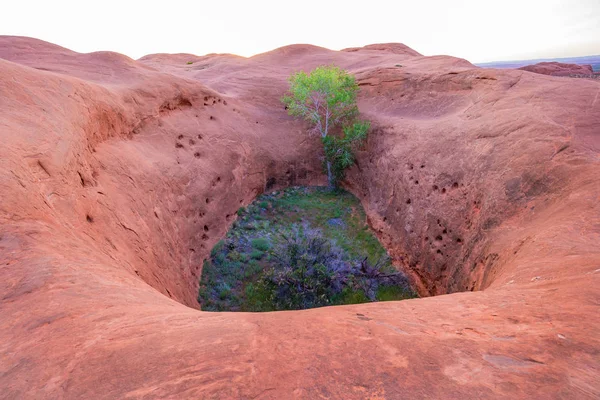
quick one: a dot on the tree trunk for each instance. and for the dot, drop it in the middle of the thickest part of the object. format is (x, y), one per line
(330, 176)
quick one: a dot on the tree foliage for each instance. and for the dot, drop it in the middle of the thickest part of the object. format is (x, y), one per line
(326, 99)
(339, 150)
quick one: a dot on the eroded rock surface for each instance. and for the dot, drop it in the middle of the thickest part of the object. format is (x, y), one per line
(117, 176)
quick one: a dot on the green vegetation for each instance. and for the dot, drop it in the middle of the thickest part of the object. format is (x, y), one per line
(339, 150)
(326, 98)
(256, 254)
(299, 248)
(261, 244)
(190, 62)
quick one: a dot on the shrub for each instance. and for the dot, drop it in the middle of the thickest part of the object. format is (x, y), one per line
(257, 254)
(234, 256)
(260, 244)
(310, 271)
(224, 292)
(388, 293)
(258, 298)
(351, 296)
(220, 258)
(307, 271)
(254, 266)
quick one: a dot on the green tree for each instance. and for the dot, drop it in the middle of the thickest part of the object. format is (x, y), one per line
(326, 98)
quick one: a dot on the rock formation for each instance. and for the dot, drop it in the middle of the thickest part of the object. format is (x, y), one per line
(117, 177)
(559, 69)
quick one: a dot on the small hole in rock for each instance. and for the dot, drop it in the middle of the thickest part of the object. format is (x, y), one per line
(89, 218)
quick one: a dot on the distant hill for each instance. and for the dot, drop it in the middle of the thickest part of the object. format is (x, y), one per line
(594, 61)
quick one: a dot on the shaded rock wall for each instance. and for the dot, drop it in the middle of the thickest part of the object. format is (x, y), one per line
(455, 155)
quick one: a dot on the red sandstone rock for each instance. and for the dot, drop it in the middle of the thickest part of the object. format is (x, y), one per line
(559, 69)
(117, 176)
(396, 48)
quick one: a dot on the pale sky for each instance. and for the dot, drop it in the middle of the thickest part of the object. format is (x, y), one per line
(478, 30)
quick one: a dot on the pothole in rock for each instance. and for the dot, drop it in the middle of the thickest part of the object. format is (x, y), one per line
(299, 248)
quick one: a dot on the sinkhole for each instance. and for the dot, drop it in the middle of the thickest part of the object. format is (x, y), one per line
(299, 248)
